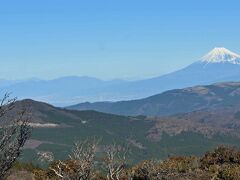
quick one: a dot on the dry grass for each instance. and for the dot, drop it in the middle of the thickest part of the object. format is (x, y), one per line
(20, 175)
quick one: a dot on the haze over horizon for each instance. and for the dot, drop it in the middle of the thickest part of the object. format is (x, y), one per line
(109, 40)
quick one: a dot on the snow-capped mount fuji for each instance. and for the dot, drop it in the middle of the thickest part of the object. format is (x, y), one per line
(221, 55)
(219, 65)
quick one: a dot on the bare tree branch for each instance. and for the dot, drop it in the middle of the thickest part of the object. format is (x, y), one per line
(14, 131)
(115, 162)
(80, 165)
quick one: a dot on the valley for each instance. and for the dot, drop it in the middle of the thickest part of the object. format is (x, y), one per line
(149, 136)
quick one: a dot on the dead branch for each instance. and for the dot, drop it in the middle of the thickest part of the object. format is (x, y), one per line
(14, 132)
(116, 160)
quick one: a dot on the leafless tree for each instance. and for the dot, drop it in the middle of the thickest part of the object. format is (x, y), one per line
(14, 132)
(61, 170)
(116, 160)
(81, 162)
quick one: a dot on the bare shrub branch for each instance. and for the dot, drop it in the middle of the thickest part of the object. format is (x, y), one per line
(80, 164)
(116, 160)
(14, 132)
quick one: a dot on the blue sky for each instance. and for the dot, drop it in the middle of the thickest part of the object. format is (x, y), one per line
(111, 38)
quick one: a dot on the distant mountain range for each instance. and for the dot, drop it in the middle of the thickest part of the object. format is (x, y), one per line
(174, 101)
(217, 66)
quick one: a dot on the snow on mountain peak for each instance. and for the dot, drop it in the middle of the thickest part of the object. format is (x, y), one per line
(221, 55)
